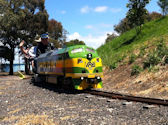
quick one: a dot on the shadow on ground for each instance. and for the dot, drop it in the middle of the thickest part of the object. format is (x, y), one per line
(55, 88)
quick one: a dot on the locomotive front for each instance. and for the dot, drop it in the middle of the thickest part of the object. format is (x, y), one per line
(84, 66)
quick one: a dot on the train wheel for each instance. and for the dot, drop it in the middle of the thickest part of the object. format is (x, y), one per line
(68, 84)
(39, 78)
(60, 82)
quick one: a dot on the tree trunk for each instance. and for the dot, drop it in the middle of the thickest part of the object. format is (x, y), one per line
(11, 62)
(11, 67)
(27, 70)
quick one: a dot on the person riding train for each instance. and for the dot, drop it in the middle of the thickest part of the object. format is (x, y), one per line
(43, 46)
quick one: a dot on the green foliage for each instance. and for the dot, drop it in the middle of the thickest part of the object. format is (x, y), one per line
(123, 26)
(157, 56)
(127, 42)
(137, 13)
(21, 19)
(35, 19)
(113, 66)
(110, 37)
(153, 69)
(121, 58)
(153, 16)
(136, 70)
(166, 59)
(162, 49)
(74, 42)
(132, 58)
(152, 59)
(142, 51)
(55, 30)
(164, 6)
(55, 42)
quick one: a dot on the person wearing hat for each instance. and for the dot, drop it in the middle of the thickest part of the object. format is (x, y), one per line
(42, 47)
(35, 51)
(43, 44)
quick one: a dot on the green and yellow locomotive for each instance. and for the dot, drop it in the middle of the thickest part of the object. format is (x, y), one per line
(80, 66)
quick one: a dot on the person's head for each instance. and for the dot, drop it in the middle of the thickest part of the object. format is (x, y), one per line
(44, 39)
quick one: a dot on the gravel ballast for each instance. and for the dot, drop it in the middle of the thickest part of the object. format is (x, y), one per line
(24, 103)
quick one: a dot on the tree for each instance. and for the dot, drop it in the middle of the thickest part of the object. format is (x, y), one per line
(153, 16)
(164, 6)
(74, 42)
(62, 40)
(35, 20)
(21, 19)
(5, 53)
(55, 42)
(110, 37)
(136, 13)
(123, 26)
(9, 26)
(55, 30)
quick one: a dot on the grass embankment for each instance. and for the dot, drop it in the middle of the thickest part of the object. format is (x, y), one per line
(129, 45)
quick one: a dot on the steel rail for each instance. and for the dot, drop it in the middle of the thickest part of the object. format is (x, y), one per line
(128, 97)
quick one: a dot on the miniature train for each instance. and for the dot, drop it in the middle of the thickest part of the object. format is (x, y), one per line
(77, 66)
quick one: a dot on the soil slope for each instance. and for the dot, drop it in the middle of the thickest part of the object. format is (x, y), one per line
(153, 84)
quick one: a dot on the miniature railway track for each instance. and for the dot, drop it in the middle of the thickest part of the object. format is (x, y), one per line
(128, 97)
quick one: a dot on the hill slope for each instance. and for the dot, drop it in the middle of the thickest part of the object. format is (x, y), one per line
(121, 47)
(138, 65)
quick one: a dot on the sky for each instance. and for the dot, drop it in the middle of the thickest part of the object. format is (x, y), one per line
(90, 20)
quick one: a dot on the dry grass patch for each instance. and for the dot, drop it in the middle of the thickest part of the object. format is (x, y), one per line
(68, 117)
(31, 120)
(14, 111)
(13, 106)
(89, 110)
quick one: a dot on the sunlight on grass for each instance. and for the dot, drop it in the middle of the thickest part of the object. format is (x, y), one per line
(115, 51)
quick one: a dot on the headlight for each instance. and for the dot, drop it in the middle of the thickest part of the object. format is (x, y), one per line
(98, 77)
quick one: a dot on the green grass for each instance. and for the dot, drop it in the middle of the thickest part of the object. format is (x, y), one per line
(124, 45)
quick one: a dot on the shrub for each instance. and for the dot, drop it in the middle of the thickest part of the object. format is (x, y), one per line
(121, 58)
(113, 66)
(152, 59)
(110, 37)
(166, 59)
(132, 58)
(153, 69)
(142, 51)
(136, 70)
(157, 55)
(162, 49)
